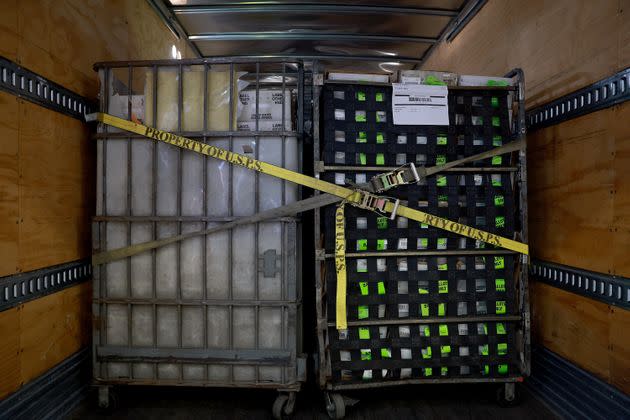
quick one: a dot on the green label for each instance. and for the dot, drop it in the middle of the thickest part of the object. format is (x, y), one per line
(424, 226)
(483, 349)
(381, 222)
(362, 244)
(497, 160)
(443, 330)
(381, 288)
(364, 288)
(443, 267)
(484, 328)
(428, 371)
(485, 370)
(496, 182)
(366, 354)
(499, 200)
(444, 370)
(381, 116)
(379, 97)
(426, 331)
(500, 328)
(386, 354)
(380, 159)
(501, 309)
(441, 181)
(442, 197)
(497, 141)
(503, 369)
(362, 159)
(380, 138)
(363, 136)
(424, 242)
(442, 140)
(442, 286)
(364, 312)
(445, 350)
(424, 309)
(499, 221)
(381, 244)
(499, 285)
(423, 291)
(360, 96)
(496, 122)
(502, 349)
(441, 242)
(499, 263)
(494, 102)
(426, 352)
(360, 117)
(440, 159)
(364, 333)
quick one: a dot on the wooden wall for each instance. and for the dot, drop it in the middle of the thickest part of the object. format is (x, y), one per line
(47, 163)
(579, 183)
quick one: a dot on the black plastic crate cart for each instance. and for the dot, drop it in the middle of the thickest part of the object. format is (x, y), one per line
(424, 305)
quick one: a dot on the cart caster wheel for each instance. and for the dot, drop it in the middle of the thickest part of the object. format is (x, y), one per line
(107, 399)
(509, 395)
(283, 406)
(335, 406)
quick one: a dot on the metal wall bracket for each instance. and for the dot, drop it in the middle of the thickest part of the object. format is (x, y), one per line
(602, 94)
(31, 86)
(19, 288)
(609, 289)
(270, 263)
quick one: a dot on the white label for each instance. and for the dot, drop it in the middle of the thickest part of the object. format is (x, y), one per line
(420, 104)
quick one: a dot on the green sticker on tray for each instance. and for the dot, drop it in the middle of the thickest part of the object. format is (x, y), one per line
(428, 371)
(499, 285)
(444, 370)
(424, 309)
(501, 308)
(380, 159)
(497, 160)
(386, 354)
(443, 330)
(499, 263)
(363, 136)
(360, 96)
(362, 159)
(381, 244)
(442, 140)
(441, 181)
(424, 242)
(366, 355)
(361, 244)
(485, 370)
(426, 330)
(442, 286)
(499, 221)
(443, 267)
(380, 138)
(445, 350)
(499, 200)
(496, 122)
(364, 312)
(440, 159)
(360, 116)
(379, 97)
(500, 328)
(483, 350)
(364, 333)
(426, 352)
(503, 369)
(502, 349)
(497, 141)
(494, 102)
(381, 222)
(423, 291)
(363, 285)
(424, 226)
(441, 243)
(381, 288)
(496, 181)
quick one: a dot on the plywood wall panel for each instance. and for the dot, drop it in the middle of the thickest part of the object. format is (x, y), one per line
(10, 360)
(9, 195)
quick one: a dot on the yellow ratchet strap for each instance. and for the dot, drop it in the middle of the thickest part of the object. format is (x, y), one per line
(340, 268)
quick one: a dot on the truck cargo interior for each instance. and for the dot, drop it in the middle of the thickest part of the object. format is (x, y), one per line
(314, 209)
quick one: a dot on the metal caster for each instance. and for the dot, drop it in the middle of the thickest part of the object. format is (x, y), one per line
(508, 395)
(283, 406)
(335, 406)
(107, 398)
